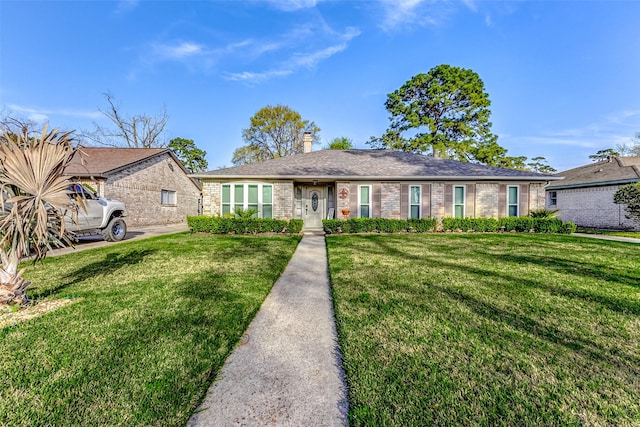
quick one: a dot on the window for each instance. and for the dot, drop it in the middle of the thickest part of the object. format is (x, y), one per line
(248, 196)
(226, 199)
(415, 201)
(364, 196)
(167, 197)
(512, 201)
(553, 198)
(267, 201)
(458, 202)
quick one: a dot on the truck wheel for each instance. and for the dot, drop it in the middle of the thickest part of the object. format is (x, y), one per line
(115, 230)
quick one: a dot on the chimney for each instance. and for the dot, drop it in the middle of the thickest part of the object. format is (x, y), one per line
(307, 140)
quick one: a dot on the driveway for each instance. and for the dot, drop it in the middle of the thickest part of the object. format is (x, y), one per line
(96, 241)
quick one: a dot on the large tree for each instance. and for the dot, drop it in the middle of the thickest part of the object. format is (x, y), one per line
(445, 111)
(137, 131)
(192, 157)
(34, 203)
(629, 195)
(274, 131)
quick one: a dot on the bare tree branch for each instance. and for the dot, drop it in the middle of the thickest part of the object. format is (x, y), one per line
(138, 131)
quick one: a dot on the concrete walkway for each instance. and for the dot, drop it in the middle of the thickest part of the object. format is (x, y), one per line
(286, 370)
(605, 237)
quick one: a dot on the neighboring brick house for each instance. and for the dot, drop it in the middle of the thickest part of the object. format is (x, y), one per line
(585, 196)
(151, 182)
(371, 183)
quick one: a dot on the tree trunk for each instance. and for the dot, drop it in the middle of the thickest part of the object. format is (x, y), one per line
(12, 286)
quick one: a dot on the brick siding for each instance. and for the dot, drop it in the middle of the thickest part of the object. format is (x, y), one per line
(482, 198)
(139, 187)
(592, 207)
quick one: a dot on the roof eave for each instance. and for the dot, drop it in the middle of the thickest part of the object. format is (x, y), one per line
(593, 184)
(384, 178)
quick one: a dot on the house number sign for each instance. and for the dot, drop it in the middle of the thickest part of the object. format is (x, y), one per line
(314, 202)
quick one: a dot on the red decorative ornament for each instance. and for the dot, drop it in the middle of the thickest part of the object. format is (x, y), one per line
(344, 193)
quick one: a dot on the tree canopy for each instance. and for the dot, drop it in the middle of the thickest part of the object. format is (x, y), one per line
(601, 155)
(629, 195)
(340, 143)
(445, 111)
(274, 131)
(192, 157)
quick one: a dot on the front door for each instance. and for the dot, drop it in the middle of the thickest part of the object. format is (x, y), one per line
(313, 207)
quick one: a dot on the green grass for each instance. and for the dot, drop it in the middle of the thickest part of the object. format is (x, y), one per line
(488, 329)
(152, 324)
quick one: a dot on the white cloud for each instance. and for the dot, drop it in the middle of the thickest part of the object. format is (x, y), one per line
(42, 115)
(293, 5)
(402, 13)
(298, 60)
(614, 129)
(125, 6)
(177, 51)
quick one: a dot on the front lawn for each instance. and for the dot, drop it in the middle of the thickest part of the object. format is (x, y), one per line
(150, 325)
(488, 329)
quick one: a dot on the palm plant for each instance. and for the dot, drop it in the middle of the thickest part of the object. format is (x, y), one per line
(34, 203)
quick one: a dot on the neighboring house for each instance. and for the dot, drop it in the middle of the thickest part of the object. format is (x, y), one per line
(151, 182)
(324, 184)
(585, 196)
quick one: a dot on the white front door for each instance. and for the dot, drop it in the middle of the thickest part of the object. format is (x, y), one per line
(313, 207)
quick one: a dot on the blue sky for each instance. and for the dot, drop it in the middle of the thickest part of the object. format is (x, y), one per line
(562, 76)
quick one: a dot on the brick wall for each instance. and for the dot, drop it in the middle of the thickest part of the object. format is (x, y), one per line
(537, 196)
(283, 199)
(593, 207)
(487, 200)
(390, 200)
(437, 200)
(482, 198)
(139, 187)
(211, 194)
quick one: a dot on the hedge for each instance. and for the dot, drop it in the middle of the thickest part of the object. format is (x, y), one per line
(512, 223)
(378, 225)
(224, 225)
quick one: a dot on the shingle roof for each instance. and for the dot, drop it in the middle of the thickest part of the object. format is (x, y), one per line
(616, 170)
(369, 164)
(100, 161)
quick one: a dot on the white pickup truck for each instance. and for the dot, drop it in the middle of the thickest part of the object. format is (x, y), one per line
(100, 215)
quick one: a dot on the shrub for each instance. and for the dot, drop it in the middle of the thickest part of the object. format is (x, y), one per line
(512, 223)
(243, 225)
(380, 225)
(543, 213)
(422, 225)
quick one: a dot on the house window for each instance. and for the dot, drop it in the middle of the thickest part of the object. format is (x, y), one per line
(553, 198)
(226, 199)
(267, 201)
(512, 201)
(364, 196)
(458, 202)
(415, 201)
(248, 196)
(168, 197)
